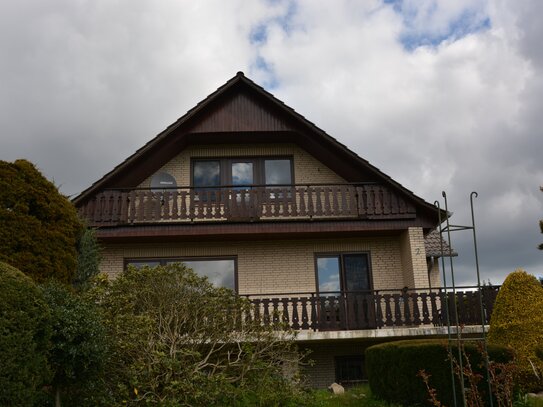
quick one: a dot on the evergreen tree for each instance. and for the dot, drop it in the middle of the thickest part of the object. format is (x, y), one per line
(39, 227)
(517, 321)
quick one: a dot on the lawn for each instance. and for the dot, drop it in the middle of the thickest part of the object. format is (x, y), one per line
(359, 396)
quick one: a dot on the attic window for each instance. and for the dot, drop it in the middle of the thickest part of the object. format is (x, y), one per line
(242, 171)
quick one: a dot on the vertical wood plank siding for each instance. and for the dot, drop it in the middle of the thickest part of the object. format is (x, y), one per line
(241, 114)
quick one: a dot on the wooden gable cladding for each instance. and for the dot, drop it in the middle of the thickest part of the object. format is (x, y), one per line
(240, 113)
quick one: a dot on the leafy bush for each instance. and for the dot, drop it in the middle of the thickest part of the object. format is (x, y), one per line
(24, 339)
(79, 346)
(39, 227)
(517, 321)
(180, 341)
(393, 368)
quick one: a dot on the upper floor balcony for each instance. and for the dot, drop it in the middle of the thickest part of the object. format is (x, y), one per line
(246, 203)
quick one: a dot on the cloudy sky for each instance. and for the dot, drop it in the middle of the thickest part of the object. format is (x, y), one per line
(440, 95)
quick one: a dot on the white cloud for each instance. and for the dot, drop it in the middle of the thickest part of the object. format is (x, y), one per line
(85, 83)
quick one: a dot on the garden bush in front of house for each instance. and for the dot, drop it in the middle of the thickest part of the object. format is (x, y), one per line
(517, 321)
(39, 227)
(24, 339)
(393, 369)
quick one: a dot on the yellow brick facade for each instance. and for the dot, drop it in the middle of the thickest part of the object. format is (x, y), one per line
(307, 169)
(413, 255)
(280, 266)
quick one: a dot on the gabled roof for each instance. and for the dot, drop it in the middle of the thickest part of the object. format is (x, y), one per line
(131, 171)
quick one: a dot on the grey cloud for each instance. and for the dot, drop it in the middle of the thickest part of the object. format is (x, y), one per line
(84, 84)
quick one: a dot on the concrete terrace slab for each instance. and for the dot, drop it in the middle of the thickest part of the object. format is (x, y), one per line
(389, 332)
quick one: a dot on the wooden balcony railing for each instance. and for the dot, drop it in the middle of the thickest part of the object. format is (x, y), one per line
(370, 201)
(373, 309)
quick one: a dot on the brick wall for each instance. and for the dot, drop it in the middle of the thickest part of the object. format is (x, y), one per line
(273, 266)
(413, 255)
(323, 373)
(307, 169)
(435, 273)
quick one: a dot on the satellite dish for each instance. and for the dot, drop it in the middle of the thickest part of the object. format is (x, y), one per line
(161, 181)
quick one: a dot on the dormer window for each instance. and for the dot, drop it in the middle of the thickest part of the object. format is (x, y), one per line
(242, 172)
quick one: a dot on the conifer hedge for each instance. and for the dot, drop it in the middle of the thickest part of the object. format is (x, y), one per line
(517, 321)
(393, 369)
(39, 227)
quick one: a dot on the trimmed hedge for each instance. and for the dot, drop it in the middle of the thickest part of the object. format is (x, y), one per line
(24, 339)
(517, 321)
(393, 369)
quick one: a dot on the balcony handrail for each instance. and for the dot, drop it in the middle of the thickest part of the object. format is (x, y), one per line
(226, 186)
(370, 309)
(409, 290)
(246, 202)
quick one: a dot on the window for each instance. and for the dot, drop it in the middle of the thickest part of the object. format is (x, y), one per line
(206, 173)
(221, 272)
(345, 272)
(239, 172)
(349, 370)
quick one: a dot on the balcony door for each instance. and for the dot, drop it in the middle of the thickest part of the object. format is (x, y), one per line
(242, 199)
(345, 291)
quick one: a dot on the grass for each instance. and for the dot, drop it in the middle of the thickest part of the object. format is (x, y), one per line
(359, 396)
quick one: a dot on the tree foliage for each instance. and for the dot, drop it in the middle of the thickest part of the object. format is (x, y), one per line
(78, 345)
(517, 321)
(541, 225)
(181, 341)
(88, 259)
(24, 339)
(39, 227)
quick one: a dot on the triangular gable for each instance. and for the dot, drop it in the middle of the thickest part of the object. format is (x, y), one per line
(242, 107)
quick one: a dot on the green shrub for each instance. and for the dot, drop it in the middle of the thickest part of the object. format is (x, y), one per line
(517, 321)
(39, 227)
(177, 340)
(24, 339)
(88, 259)
(393, 369)
(79, 346)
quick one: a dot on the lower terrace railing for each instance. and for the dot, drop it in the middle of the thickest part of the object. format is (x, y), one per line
(373, 309)
(188, 204)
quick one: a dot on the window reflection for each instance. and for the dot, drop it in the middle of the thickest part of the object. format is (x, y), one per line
(242, 173)
(328, 274)
(141, 264)
(207, 174)
(219, 272)
(277, 172)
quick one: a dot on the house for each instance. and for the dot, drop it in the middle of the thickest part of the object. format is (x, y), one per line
(248, 192)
